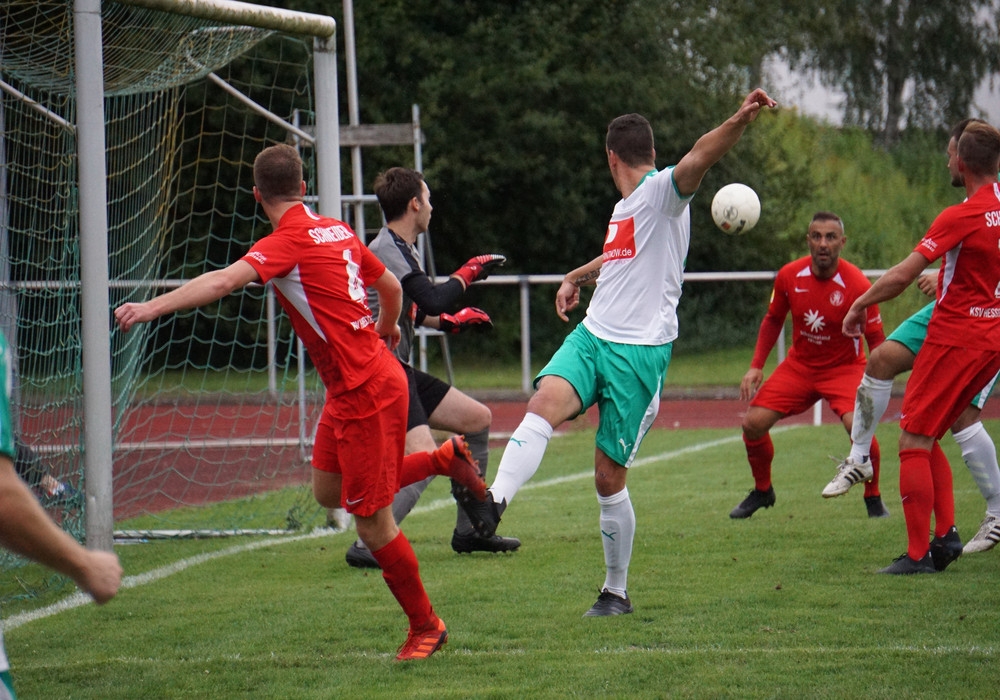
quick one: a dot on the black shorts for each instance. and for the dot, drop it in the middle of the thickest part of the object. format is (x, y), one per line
(426, 394)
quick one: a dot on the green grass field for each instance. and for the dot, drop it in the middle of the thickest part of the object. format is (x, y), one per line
(783, 605)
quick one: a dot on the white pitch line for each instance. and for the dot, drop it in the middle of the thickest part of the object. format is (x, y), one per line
(79, 599)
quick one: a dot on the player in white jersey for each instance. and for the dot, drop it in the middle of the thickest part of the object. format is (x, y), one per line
(617, 357)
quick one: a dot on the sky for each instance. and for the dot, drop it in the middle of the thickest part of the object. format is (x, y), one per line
(792, 89)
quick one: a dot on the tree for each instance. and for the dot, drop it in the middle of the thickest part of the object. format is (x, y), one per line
(912, 62)
(515, 99)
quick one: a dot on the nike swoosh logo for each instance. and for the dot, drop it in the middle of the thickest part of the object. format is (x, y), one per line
(801, 290)
(354, 503)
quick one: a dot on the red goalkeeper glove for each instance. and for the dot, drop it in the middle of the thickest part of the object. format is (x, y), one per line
(468, 317)
(478, 268)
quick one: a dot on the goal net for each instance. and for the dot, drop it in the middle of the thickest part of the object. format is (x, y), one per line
(214, 409)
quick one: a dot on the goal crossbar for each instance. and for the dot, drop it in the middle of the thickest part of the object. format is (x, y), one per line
(233, 12)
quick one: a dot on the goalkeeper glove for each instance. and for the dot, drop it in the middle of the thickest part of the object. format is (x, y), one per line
(478, 268)
(468, 317)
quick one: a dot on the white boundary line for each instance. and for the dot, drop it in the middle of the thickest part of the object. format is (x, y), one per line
(79, 599)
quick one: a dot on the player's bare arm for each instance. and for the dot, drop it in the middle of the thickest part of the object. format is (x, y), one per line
(26, 529)
(568, 295)
(203, 289)
(710, 148)
(888, 286)
(390, 303)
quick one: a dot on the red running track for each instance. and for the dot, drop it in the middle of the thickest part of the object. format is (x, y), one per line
(202, 471)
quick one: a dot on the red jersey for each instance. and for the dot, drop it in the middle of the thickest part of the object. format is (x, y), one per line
(818, 308)
(320, 269)
(967, 313)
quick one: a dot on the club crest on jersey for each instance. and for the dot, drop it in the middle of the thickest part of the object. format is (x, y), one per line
(620, 241)
(837, 298)
(814, 320)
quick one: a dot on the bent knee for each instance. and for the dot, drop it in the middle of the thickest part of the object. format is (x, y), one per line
(756, 423)
(480, 419)
(889, 359)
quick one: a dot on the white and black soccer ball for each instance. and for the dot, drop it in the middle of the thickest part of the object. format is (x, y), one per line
(735, 208)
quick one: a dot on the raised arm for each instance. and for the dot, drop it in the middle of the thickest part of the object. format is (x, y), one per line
(707, 150)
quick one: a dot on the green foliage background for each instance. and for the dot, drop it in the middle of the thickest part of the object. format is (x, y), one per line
(515, 98)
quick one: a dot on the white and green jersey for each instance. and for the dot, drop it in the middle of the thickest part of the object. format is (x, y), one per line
(644, 254)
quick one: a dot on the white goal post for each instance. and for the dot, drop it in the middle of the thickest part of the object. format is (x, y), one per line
(97, 401)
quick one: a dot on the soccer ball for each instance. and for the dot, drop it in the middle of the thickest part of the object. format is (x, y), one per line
(735, 208)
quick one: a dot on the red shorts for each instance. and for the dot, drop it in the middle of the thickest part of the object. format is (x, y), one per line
(361, 436)
(942, 384)
(794, 388)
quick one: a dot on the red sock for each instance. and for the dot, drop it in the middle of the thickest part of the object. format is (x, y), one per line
(944, 492)
(416, 467)
(760, 454)
(916, 488)
(875, 457)
(401, 572)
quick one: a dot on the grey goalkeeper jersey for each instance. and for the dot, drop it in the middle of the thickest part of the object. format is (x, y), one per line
(402, 260)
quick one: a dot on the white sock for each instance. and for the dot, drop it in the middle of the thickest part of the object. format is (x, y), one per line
(870, 404)
(617, 534)
(980, 455)
(521, 457)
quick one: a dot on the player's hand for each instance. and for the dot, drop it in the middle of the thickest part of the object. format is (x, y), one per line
(390, 335)
(127, 315)
(478, 268)
(101, 576)
(751, 382)
(567, 299)
(752, 105)
(927, 283)
(854, 322)
(469, 317)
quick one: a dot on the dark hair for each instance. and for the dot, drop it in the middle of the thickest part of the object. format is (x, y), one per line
(959, 128)
(277, 173)
(395, 188)
(827, 216)
(979, 149)
(630, 137)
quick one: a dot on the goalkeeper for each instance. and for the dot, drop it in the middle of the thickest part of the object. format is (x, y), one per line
(433, 403)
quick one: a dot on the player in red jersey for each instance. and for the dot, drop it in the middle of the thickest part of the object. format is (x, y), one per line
(822, 364)
(960, 354)
(320, 271)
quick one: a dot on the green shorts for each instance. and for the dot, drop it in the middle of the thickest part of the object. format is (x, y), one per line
(623, 380)
(912, 332)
